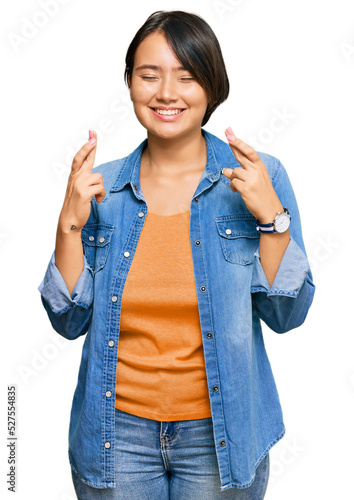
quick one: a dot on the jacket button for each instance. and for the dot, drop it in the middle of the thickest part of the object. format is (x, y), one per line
(91, 238)
(108, 394)
(197, 242)
(102, 239)
(114, 298)
(222, 442)
(228, 231)
(141, 214)
(107, 445)
(215, 388)
(203, 288)
(111, 343)
(196, 198)
(209, 335)
(126, 254)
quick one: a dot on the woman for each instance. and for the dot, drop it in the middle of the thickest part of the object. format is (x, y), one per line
(177, 251)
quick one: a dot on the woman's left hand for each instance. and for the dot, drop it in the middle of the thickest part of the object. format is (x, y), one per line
(252, 181)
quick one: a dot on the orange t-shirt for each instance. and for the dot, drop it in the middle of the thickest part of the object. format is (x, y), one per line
(161, 369)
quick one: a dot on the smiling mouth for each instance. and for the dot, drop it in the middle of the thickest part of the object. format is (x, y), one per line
(176, 111)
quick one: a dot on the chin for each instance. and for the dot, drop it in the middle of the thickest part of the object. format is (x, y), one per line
(169, 130)
(166, 134)
(163, 131)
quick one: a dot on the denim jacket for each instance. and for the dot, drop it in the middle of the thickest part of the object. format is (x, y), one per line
(233, 296)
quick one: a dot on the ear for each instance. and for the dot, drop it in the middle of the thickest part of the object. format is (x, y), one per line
(130, 88)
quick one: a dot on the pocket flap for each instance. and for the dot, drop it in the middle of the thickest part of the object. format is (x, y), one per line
(237, 226)
(97, 234)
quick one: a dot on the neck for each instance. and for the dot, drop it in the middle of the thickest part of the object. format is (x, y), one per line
(175, 157)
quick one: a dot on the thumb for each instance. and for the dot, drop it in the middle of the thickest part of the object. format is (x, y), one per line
(227, 172)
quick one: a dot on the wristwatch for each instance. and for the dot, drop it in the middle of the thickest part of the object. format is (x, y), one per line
(279, 225)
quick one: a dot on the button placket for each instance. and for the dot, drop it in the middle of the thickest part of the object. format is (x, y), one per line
(209, 351)
(110, 393)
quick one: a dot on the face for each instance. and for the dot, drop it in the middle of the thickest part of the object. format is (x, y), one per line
(167, 100)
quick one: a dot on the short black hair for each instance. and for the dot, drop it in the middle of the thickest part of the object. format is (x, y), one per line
(195, 45)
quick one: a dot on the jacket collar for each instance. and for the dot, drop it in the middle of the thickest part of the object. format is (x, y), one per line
(219, 156)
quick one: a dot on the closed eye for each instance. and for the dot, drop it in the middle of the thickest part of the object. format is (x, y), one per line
(154, 77)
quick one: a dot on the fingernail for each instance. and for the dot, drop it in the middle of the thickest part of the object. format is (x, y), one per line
(230, 138)
(92, 141)
(229, 131)
(90, 134)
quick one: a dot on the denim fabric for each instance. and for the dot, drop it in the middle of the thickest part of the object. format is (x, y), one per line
(168, 461)
(233, 296)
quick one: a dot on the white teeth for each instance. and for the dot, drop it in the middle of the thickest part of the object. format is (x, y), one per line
(168, 111)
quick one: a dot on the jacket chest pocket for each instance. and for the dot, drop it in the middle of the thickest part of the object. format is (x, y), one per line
(239, 238)
(96, 242)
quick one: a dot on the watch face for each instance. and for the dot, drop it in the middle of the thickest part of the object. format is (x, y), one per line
(282, 222)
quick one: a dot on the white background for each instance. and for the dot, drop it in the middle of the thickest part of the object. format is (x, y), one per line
(62, 74)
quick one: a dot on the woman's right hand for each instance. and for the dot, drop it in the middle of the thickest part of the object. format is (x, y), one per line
(82, 186)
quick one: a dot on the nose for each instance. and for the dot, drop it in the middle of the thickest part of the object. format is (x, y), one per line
(167, 90)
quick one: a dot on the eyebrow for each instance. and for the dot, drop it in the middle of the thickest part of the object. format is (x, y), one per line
(158, 68)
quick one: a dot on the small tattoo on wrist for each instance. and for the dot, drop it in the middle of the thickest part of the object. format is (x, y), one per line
(73, 227)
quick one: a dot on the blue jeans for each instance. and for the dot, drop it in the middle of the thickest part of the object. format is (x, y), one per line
(168, 461)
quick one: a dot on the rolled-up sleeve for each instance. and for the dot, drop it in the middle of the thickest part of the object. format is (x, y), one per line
(69, 315)
(285, 304)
